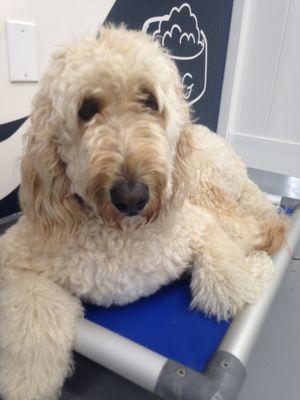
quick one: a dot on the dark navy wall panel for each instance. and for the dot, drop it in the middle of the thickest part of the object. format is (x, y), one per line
(9, 204)
(196, 32)
(8, 129)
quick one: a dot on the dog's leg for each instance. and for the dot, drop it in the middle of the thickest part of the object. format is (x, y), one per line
(273, 225)
(220, 183)
(37, 326)
(223, 278)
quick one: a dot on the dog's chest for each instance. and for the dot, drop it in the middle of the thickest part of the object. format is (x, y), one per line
(118, 269)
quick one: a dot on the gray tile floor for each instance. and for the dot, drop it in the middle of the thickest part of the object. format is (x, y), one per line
(274, 366)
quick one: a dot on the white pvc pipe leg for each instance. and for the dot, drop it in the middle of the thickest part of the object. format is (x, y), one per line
(120, 355)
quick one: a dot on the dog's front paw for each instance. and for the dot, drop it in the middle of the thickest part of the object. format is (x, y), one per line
(217, 299)
(223, 292)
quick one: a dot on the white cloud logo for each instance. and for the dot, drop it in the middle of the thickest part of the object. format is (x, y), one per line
(179, 32)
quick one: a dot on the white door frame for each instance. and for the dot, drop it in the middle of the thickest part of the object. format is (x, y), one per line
(258, 148)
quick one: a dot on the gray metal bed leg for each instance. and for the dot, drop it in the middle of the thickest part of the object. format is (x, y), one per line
(227, 373)
(222, 380)
(181, 383)
(287, 202)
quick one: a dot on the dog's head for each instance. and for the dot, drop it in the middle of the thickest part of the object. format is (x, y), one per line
(108, 133)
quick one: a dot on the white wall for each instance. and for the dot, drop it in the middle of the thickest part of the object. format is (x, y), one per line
(263, 102)
(57, 22)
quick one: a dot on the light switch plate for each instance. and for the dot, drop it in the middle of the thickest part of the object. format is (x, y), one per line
(22, 51)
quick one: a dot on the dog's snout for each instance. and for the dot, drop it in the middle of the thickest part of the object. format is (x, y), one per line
(129, 197)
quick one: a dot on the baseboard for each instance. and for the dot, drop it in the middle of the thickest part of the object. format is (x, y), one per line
(268, 154)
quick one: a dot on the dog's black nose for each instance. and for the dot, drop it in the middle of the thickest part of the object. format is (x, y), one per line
(129, 197)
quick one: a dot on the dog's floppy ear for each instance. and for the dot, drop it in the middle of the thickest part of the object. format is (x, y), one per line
(181, 164)
(45, 195)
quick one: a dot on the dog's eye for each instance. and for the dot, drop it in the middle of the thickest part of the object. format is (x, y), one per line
(89, 107)
(149, 100)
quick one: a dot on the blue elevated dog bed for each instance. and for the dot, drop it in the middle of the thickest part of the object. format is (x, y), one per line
(165, 324)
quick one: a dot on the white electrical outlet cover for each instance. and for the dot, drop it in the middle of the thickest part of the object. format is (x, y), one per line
(22, 51)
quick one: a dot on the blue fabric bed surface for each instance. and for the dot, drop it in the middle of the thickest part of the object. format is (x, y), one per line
(164, 323)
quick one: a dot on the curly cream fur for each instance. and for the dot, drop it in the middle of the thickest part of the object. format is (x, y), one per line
(204, 214)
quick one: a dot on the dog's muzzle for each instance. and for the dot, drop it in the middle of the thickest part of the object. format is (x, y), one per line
(129, 197)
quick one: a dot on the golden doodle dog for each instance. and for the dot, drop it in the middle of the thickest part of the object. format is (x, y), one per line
(121, 194)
